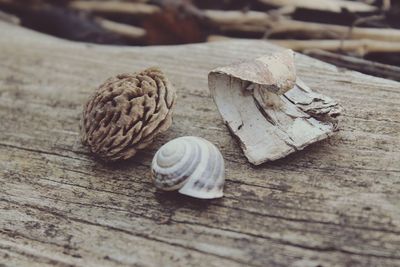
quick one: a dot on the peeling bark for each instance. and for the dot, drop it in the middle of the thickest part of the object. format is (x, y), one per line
(268, 110)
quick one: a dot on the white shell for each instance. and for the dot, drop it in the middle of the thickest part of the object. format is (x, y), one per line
(191, 164)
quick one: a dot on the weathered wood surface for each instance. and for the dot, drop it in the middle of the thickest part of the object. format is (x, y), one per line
(337, 203)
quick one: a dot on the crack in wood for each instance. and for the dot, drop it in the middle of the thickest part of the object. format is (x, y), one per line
(109, 227)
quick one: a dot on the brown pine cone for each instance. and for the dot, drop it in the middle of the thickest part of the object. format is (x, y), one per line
(126, 112)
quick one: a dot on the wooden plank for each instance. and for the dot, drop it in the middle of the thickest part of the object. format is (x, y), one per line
(334, 204)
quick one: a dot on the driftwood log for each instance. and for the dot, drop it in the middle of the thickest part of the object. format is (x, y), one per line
(334, 204)
(261, 22)
(115, 7)
(323, 5)
(366, 66)
(359, 47)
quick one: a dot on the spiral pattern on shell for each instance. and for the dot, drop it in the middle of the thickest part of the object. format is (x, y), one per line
(126, 112)
(191, 164)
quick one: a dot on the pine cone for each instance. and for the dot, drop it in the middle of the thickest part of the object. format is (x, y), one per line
(126, 112)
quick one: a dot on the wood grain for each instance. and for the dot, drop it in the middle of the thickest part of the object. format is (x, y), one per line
(334, 204)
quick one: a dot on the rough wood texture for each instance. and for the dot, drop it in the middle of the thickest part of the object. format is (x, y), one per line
(334, 204)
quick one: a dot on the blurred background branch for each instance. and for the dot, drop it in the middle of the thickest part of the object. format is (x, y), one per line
(363, 35)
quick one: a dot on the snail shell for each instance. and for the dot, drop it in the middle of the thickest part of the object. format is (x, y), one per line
(191, 164)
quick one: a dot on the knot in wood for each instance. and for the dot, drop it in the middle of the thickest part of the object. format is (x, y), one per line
(126, 112)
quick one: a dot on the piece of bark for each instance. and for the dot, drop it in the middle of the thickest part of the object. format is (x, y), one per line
(323, 5)
(270, 119)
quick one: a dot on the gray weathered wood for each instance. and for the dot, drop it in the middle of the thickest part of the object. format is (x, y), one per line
(334, 204)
